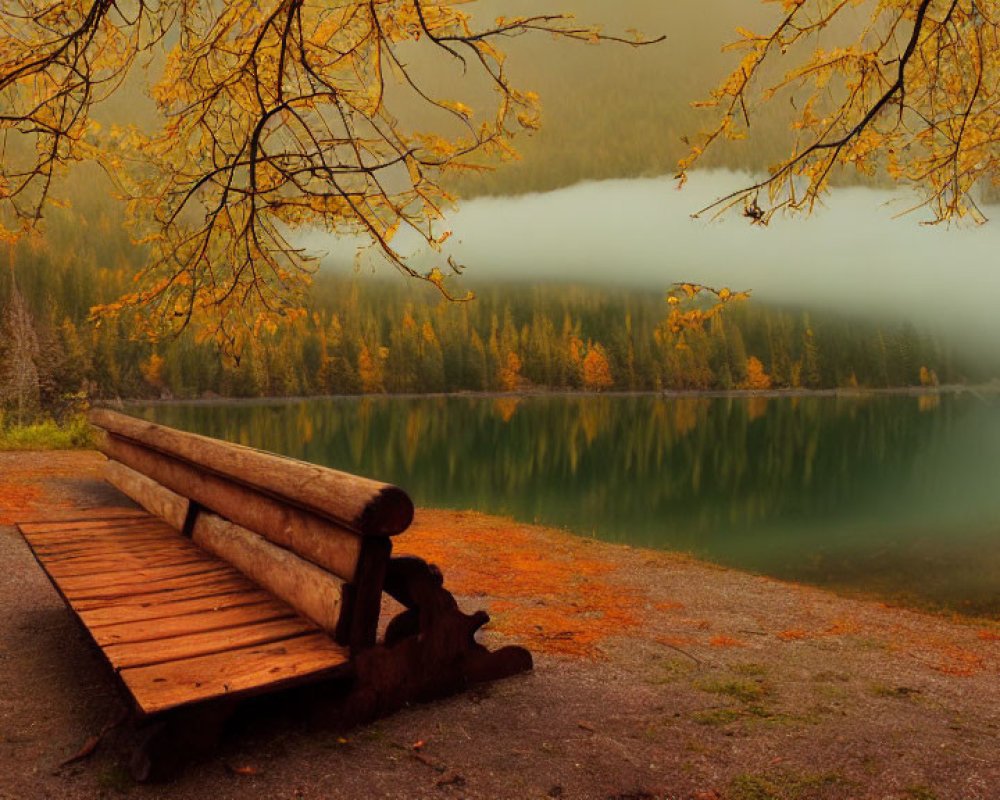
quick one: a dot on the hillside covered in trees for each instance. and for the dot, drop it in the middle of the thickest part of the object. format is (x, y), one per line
(360, 335)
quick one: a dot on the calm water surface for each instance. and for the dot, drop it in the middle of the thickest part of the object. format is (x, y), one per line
(891, 496)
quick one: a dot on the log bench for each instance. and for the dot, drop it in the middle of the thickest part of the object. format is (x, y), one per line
(244, 573)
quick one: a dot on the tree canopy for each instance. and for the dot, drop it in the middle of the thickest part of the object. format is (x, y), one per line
(906, 88)
(274, 114)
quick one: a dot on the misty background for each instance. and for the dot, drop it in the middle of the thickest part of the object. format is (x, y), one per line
(593, 198)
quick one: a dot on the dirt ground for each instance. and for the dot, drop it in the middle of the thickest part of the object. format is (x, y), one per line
(656, 677)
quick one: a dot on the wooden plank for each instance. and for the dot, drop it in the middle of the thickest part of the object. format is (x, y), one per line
(148, 610)
(227, 584)
(313, 592)
(105, 549)
(96, 546)
(89, 524)
(77, 514)
(106, 594)
(157, 651)
(363, 505)
(139, 541)
(114, 576)
(125, 539)
(133, 558)
(145, 531)
(175, 683)
(332, 547)
(65, 568)
(162, 627)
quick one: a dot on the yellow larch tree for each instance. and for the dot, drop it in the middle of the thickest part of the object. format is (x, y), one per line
(757, 377)
(596, 371)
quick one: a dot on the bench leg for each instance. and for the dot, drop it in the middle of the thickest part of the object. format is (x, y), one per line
(430, 649)
(168, 742)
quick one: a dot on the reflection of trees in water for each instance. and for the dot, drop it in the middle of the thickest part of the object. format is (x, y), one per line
(835, 491)
(668, 471)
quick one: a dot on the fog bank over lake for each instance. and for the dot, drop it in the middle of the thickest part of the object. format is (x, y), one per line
(851, 254)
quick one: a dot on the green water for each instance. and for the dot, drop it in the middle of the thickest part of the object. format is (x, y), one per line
(896, 497)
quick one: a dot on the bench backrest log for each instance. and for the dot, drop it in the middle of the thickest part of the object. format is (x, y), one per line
(315, 537)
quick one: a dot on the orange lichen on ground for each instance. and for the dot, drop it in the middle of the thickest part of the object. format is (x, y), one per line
(726, 641)
(944, 656)
(843, 627)
(548, 592)
(17, 499)
(793, 635)
(26, 490)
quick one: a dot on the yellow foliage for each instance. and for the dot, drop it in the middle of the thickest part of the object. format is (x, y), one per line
(369, 371)
(273, 117)
(510, 372)
(904, 86)
(152, 371)
(757, 378)
(596, 371)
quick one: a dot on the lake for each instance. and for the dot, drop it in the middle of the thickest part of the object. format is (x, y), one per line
(891, 496)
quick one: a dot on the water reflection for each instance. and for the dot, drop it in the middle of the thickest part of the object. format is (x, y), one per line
(893, 495)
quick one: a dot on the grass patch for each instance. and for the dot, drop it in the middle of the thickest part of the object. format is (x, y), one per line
(669, 670)
(750, 694)
(717, 716)
(787, 786)
(47, 435)
(747, 692)
(757, 670)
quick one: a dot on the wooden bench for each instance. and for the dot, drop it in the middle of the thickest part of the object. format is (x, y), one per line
(247, 573)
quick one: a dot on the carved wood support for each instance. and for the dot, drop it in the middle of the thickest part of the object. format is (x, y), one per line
(430, 649)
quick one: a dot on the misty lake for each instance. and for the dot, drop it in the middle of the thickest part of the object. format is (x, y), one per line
(892, 496)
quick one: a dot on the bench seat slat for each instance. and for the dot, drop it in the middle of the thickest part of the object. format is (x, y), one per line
(139, 519)
(135, 534)
(149, 611)
(199, 574)
(127, 550)
(112, 575)
(102, 513)
(160, 687)
(66, 567)
(209, 588)
(143, 540)
(161, 627)
(188, 645)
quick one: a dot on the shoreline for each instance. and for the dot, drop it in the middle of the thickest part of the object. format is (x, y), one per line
(988, 389)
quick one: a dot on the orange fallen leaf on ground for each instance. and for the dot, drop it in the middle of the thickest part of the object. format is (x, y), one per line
(726, 641)
(566, 603)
